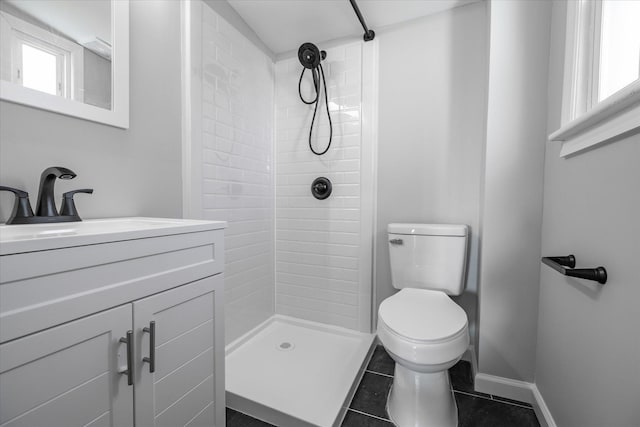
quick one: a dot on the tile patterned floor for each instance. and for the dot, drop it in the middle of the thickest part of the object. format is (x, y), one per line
(368, 406)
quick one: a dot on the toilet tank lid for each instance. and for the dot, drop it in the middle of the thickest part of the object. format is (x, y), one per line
(429, 229)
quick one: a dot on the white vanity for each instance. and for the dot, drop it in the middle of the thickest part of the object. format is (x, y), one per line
(112, 322)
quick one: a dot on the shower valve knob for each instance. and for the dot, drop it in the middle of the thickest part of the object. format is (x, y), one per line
(321, 188)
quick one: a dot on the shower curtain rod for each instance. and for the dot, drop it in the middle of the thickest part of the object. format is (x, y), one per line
(368, 34)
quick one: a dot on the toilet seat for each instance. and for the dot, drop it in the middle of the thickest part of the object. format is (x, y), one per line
(423, 327)
(423, 315)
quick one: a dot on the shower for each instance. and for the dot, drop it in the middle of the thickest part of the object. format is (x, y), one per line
(298, 266)
(310, 57)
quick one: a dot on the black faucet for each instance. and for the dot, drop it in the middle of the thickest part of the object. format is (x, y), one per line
(46, 204)
(46, 211)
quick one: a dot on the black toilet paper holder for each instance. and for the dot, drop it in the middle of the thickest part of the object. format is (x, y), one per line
(560, 264)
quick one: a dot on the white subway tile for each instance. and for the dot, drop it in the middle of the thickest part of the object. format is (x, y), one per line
(318, 294)
(317, 282)
(331, 226)
(237, 174)
(319, 260)
(319, 248)
(318, 236)
(335, 308)
(316, 316)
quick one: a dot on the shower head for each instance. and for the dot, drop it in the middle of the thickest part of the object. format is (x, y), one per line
(310, 56)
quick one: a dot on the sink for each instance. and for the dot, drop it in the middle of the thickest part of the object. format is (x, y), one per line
(43, 231)
(35, 237)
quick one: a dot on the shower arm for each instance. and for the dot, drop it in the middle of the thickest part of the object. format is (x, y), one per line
(368, 34)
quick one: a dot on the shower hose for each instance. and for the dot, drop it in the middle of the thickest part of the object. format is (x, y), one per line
(316, 100)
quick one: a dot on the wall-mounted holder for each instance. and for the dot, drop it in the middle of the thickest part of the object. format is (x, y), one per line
(321, 188)
(558, 263)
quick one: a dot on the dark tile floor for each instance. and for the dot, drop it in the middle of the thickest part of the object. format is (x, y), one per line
(368, 407)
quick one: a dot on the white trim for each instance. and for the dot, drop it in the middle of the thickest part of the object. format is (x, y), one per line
(504, 387)
(69, 55)
(370, 103)
(584, 127)
(118, 116)
(185, 42)
(616, 115)
(517, 390)
(191, 109)
(541, 409)
(368, 156)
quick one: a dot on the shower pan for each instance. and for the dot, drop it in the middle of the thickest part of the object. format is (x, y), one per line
(298, 269)
(292, 372)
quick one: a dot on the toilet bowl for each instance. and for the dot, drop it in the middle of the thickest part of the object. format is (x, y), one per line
(425, 333)
(421, 327)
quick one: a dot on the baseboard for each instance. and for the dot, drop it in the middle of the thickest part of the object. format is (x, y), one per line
(516, 390)
(541, 409)
(504, 387)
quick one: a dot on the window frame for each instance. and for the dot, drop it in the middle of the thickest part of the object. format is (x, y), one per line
(22, 32)
(62, 56)
(587, 123)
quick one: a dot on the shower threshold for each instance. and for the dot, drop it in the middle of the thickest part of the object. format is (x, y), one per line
(292, 372)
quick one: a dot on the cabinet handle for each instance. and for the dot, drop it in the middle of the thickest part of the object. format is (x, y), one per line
(151, 360)
(129, 371)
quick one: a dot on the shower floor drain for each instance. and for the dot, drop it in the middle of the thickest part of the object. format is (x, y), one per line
(285, 346)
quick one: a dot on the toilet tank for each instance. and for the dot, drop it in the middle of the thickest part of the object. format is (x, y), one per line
(428, 256)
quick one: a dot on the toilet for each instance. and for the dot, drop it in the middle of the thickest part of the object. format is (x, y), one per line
(421, 328)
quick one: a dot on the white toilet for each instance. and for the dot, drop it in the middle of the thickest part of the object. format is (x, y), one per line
(421, 328)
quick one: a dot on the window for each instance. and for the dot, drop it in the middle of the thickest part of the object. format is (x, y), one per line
(40, 66)
(601, 97)
(619, 63)
(39, 70)
(40, 60)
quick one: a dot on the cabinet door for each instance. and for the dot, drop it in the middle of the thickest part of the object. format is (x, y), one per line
(187, 386)
(68, 375)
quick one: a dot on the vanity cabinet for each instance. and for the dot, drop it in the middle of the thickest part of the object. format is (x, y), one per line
(68, 375)
(180, 390)
(147, 348)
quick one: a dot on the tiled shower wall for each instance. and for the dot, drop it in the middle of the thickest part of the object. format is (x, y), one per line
(319, 243)
(237, 182)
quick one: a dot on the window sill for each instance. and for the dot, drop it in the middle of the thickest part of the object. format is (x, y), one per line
(615, 116)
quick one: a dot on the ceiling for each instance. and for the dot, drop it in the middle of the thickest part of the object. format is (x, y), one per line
(284, 24)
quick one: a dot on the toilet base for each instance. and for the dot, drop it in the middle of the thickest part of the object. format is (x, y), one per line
(422, 399)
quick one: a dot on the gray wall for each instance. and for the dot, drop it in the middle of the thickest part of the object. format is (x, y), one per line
(135, 171)
(512, 204)
(588, 346)
(432, 102)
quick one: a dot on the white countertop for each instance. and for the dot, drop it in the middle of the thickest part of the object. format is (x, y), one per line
(39, 237)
